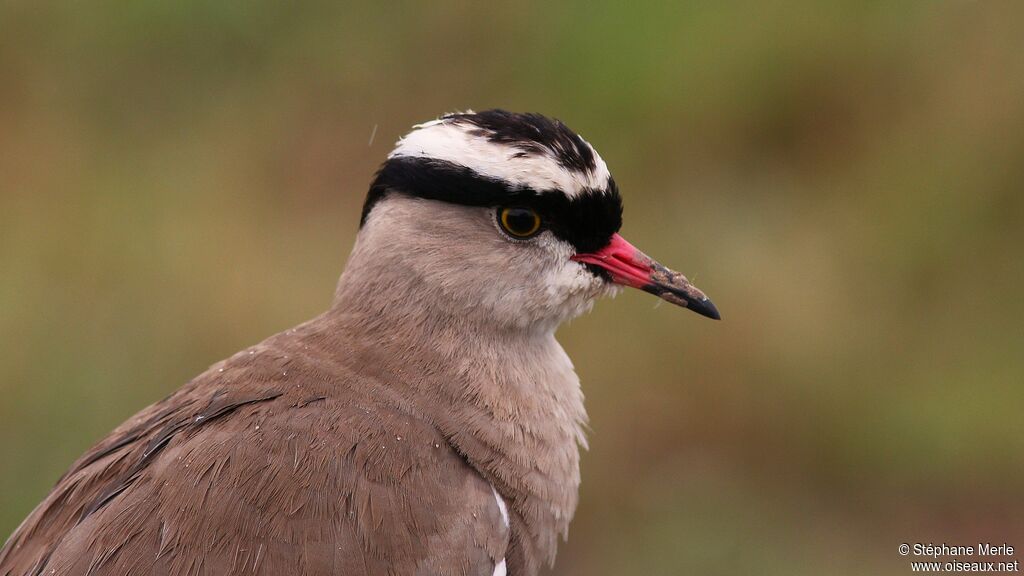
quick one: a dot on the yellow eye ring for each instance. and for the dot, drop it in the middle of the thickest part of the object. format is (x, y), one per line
(518, 222)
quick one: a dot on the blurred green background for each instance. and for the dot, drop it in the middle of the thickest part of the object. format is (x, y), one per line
(179, 180)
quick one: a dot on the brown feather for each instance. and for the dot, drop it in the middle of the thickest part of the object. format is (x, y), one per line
(364, 442)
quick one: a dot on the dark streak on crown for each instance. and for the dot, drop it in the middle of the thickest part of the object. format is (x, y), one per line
(587, 220)
(532, 134)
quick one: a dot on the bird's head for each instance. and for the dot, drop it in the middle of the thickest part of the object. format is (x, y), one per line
(513, 217)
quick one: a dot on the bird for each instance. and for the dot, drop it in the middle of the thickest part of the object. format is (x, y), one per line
(427, 423)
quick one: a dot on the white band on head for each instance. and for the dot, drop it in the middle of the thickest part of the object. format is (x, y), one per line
(455, 142)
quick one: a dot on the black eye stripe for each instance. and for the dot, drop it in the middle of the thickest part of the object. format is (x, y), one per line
(587, 220)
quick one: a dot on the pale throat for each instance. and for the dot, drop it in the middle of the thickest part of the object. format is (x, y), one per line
(508, 370)
(462, 371)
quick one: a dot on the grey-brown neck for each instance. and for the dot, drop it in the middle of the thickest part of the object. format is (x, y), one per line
(506, 396)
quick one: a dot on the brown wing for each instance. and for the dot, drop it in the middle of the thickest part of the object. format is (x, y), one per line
(281, 478)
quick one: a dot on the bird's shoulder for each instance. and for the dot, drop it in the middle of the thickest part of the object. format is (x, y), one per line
(270, 462)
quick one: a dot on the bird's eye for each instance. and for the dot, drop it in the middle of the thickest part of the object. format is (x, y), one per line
(519, 222)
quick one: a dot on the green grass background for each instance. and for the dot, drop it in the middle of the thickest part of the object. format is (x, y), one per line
(180, 179)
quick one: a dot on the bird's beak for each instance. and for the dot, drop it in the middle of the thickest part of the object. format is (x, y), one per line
(630, 267)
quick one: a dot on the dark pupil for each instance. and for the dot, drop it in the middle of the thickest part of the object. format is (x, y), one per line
(520, 220)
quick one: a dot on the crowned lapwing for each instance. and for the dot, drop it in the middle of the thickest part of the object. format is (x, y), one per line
(427, 423)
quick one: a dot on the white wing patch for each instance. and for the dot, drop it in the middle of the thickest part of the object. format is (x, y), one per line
(455, 143)
(502, 508)
(499, 568)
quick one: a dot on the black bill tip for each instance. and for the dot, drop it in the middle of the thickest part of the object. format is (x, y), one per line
(705, 308)
(685, 295)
